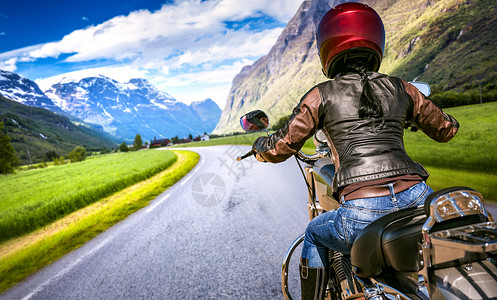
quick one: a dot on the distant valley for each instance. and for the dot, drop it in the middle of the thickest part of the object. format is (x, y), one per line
(95, 112)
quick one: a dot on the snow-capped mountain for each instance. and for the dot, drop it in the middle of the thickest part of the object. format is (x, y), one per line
(125, 109)
(122, 109)
(23, 90)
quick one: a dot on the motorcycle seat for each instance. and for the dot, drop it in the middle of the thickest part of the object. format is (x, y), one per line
(389, 242)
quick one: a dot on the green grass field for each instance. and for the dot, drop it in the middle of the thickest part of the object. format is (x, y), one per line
(472, 149)
(32, 199)
(470, 159)
(21, 256)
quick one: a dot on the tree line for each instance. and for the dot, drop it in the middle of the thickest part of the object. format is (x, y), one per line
(9, 159)
(137, 144)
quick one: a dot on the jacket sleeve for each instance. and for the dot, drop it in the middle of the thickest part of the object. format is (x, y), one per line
(302, 124)
(426, 116)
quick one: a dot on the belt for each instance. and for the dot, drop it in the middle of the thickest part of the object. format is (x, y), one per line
(379, 190)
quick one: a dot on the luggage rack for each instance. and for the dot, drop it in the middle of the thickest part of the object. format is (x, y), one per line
(461, 242)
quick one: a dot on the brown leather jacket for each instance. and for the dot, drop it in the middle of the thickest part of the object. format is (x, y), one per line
(363, 149)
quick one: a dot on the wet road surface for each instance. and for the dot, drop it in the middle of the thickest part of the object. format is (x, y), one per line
(219, 233)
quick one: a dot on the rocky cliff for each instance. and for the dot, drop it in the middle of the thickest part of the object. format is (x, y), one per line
(447, 43)
(275, 82)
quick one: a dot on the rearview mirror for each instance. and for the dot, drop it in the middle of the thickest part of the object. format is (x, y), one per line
(423, 87)
(254, 121)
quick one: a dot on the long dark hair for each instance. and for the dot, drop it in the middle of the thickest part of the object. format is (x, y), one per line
(369, 104)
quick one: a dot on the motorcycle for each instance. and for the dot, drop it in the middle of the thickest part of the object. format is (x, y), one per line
(445, 249)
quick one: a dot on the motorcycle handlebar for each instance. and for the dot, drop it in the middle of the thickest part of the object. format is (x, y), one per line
(251, 152)
(300, 155)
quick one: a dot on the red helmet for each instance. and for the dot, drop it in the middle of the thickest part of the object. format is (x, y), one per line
(350, 30)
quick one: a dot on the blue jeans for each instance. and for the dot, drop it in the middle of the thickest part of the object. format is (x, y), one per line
(337, 229)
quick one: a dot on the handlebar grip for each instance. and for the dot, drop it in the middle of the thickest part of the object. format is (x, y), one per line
(251, 152)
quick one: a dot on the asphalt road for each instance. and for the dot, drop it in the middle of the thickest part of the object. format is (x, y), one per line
(219, 233)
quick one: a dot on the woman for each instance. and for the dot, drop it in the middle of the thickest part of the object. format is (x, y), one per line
(363, 114)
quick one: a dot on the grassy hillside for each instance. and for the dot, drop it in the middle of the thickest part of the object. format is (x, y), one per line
(473, 147)
(40, 131)
(470, 159)
(448, 43)
(31, 199)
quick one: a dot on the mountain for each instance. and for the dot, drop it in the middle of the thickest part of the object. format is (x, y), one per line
(23, 90)
(208, 112)
(447, 43)
(135, 107)
(35, 131)
(275, 82)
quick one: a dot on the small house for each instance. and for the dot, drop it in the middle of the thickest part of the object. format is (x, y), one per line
(159, 143)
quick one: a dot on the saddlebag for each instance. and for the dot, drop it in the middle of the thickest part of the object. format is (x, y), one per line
(389, 242)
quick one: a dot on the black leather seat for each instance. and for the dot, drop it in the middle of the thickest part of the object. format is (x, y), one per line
(389, 242)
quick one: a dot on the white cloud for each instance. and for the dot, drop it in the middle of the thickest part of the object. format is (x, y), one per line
(9, 64)
(175, 28)
(197, 92)
(195, 86)
(222, 74)
(185, 36)
(21, 54)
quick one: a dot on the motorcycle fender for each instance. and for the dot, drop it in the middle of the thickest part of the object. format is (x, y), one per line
(476, 280)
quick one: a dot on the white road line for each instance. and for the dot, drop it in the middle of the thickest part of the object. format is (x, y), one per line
(67, 269)
(186, 180)
(201, 163)
(183, 183)
(157, 203)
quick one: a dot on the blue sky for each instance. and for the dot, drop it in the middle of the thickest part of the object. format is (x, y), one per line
(189, 49)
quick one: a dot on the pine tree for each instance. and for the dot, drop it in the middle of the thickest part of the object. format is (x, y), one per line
(8, 158)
